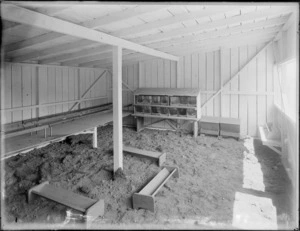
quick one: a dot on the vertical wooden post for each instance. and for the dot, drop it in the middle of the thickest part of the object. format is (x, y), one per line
(117, 108)
(95, 143)
(195, 129)
(139, 123)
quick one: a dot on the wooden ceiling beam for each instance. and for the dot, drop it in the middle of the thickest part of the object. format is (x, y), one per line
(174, 20)
(256, 15)
(95, 23)
(53, 50)
(92, 58)
(229, 38)
(21, 15)
(97, 49)
(213, 34)
(245, 39)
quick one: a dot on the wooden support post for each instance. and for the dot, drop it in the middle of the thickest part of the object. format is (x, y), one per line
(95, 143)
(139, 123)
(117, 108)
(195, 129)
(45, 132)
(50, 130)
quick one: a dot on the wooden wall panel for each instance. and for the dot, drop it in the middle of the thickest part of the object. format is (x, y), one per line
(65, 79)
(243, 86)
(225, 76)
(16, 91)
(29, 85)
(209, 81)
(202, 79)
(58, 89)
(7, 92)
(51, 89)
(217, 83)
(251, 86)
(234, 85)
(248, 97)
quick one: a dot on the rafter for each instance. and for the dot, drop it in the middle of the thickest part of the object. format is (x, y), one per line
(224, 39)
(95, 23)
(97, 49)
(221, 32)
(53, 50)
(18, 14)
(260, 14)
(173, 20)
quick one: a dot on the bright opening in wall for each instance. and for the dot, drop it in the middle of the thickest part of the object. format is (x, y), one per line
(287, 89)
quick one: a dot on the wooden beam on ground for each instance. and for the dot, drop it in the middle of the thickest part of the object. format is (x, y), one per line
(88, 90)
(18, 14)
(160, 156)
(117, 108)
(95, 143)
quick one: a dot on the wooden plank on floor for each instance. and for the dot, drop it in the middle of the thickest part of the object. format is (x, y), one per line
(210, 81)
(16, 91)
(7, 92)
(64, 197)
(252, 120)
(243, 85)
(59, 89)
(234, 68)
(202, 78)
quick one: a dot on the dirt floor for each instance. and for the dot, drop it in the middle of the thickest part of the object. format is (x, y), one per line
(211, 172)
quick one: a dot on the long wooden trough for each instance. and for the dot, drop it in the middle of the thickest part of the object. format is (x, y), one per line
(146, 197)
(91, 208)
(161, 157)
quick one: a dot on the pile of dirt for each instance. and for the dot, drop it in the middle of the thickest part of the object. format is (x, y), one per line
(210, 172)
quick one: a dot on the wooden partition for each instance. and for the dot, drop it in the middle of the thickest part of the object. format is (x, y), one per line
(248, 97)
(27, 87)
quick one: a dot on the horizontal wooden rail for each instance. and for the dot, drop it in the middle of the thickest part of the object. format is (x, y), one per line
(49, 104)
